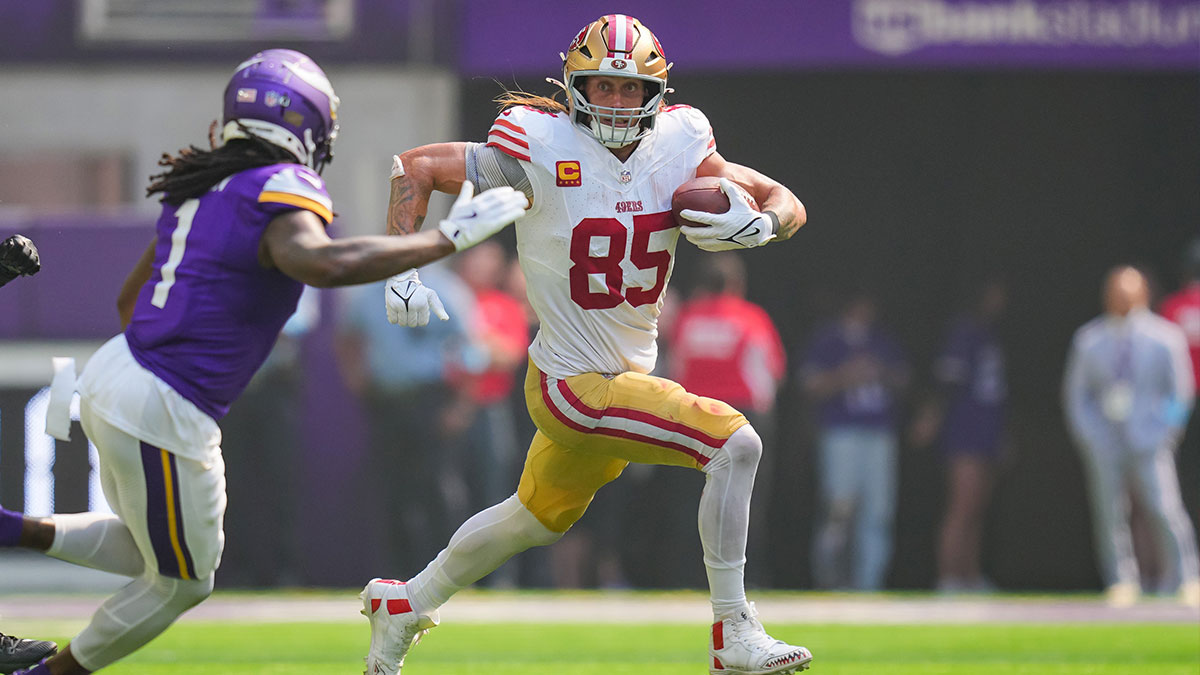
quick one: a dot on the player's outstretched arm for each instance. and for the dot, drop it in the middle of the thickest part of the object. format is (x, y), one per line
(770, 194)
(296, 242)
(415, 175)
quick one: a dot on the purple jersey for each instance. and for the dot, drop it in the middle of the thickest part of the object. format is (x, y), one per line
(971, 370)
(210, 313)
(869, 404)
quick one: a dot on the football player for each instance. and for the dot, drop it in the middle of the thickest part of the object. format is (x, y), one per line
(242, 230)
(597, 250)
(18, 256)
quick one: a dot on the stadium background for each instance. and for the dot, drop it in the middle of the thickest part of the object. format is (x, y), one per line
(928, 144)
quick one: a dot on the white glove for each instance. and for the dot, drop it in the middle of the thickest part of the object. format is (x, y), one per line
(473, 219)
(409, 302)
(739, 227)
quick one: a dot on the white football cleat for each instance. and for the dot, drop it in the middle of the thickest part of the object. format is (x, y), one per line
(740, 646)
(395, 627)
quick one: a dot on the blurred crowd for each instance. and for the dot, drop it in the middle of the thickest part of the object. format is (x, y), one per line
(443, 403)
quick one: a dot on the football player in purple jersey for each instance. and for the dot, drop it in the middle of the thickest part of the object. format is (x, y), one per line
(242, 231)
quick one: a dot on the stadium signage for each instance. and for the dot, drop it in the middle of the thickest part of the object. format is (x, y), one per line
(897, 27)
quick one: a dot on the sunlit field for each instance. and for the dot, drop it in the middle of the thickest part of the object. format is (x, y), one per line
(527, 646)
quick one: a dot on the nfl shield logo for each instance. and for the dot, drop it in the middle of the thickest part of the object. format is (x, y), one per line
(626, 176)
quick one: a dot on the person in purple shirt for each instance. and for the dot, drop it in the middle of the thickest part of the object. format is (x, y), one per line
(966, 417)
(854, 371)
(242, 231)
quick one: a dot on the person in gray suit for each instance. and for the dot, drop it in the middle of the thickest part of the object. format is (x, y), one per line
(1128, 391)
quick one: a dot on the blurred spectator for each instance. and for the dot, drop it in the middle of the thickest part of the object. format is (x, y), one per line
(491, 448)
(855, 371)
(1128, 390)
(725, 347)
(966, 417)
(262, 457)
(401, 374)
(1183, 307)
(535, 567)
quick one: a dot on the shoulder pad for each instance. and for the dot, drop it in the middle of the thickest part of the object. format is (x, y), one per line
(692, 121)
(513, 128)
(300, 186)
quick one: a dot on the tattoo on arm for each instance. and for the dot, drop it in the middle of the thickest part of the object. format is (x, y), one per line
(406, 207)
(788, 224)
(788, 210)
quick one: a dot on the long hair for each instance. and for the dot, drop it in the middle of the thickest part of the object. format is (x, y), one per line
(510, 99)
(194, 171)
(551, 104)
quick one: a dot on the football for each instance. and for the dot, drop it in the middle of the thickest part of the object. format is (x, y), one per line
(703, 194)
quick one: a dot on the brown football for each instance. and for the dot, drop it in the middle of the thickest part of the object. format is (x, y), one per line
(702, 194)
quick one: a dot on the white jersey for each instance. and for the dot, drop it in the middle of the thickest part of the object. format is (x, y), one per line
(598, 245)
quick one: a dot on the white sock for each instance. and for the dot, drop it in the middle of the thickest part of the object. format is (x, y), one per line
(724, 518)
(480, 545)
(97, 540)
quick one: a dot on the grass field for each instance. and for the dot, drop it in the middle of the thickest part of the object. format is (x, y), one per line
(308, 648)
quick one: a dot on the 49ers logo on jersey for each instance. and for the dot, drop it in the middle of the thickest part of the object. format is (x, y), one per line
(568, 173)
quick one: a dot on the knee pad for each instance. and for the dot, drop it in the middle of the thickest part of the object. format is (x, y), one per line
(181, 595)
(743, 449)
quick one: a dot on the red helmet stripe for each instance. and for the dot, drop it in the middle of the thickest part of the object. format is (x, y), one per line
(610, 34)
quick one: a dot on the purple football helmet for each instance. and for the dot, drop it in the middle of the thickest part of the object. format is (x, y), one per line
(284, 98)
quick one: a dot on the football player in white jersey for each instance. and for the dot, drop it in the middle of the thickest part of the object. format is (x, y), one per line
(597, 248)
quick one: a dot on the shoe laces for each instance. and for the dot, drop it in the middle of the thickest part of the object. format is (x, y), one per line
(751, 633)
(8, 643)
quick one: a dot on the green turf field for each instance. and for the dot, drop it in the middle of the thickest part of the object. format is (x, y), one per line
(235, 648)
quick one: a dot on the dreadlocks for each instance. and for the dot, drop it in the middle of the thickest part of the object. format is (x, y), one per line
(194, 171)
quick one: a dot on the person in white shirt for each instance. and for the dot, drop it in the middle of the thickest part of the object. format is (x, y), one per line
(1127, 393)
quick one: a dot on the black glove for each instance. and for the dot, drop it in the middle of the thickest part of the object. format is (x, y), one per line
(18, 256)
